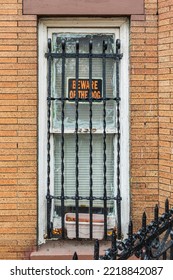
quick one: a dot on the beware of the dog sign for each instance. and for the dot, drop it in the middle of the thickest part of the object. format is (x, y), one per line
(82, 89)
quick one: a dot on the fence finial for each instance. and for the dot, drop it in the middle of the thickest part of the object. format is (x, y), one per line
(75, 256)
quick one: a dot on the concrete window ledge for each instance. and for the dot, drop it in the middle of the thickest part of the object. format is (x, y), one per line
(64, 250)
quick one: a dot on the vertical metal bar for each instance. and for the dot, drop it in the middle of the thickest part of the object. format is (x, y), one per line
(114, 246)
(130, 230)
(171, 252)
(48, 196)
(62, 139)
(166, 218)
(144, 221)
(164, 255)
(167, 206)
(156, 219)
(91, 140)
(96, 250)
(77, 142)
(146, 253)
(118, 141)
(104, 140)
(171, 249)
(156, 214)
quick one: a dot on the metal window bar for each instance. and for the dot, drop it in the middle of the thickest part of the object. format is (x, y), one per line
(48, 196)
(62, 139)
(104, 139)
(90, 139)
(118, 142)
(77, 55)
(77, 142)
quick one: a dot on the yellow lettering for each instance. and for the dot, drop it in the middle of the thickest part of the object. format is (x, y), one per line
(87, 85)
(72, 94)
(82, 94)
(96, 85)
(74, 84)
(84, 88)
(96, 94)
(86, 94)
(83, 84)
(79, 93)
(93, 84)
(79, 85)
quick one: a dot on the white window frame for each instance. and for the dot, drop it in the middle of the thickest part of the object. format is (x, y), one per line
(102, 24)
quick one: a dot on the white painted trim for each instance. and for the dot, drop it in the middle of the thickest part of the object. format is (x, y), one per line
(42, 135)
(124, 120)
(84, 22)
(100, 23)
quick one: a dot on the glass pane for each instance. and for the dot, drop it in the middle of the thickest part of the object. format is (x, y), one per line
(83, 123)
(97, 73)
(84, 168)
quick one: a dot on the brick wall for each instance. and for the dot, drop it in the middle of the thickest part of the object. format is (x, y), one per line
(144, 112)
(151, 120)
(18, 130)
(165, 71)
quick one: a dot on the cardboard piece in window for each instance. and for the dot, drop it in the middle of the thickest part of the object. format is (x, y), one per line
(82, 89)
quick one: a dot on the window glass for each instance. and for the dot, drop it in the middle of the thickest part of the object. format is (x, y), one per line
(69, 114)
(70, 65)
(84, 168)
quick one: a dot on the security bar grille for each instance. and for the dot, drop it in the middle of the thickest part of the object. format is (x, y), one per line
(76, 98)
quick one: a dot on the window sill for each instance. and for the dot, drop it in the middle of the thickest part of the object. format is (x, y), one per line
(65, 249)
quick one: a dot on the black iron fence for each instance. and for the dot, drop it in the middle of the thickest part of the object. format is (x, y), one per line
(152, 241)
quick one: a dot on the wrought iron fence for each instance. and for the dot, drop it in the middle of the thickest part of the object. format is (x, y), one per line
(152, 241)
(62, 56)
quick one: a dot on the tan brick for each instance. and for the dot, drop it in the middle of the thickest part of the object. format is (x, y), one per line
(151, 119)
(144, 81)
(8, 12)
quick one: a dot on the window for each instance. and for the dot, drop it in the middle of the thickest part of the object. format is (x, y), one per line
(83, 128)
